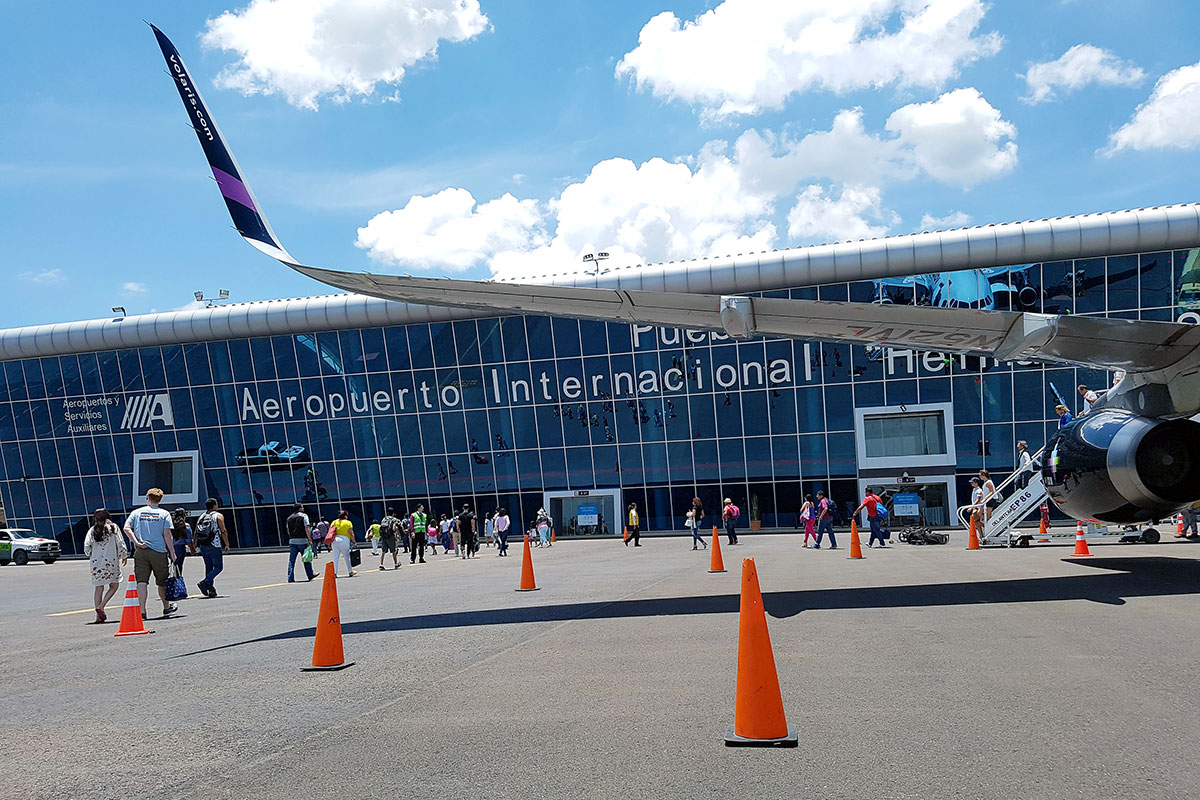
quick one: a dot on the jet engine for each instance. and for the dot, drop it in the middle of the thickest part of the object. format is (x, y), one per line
(1117, 467)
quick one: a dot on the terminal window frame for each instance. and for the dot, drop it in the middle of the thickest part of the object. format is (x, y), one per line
(184, 486)
(937, 420)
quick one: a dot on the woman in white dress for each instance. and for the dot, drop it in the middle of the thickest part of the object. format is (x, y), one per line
(105, 548)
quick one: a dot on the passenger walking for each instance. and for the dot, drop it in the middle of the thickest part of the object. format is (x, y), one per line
(466, 531)
(1024, 465)
(181, 532)
(502, 525)
(991, 498)
(807, 516)
(149, 528)
(1065, 417)
(373, 531)
(431, 536)
(417, 523)
(544, 525)
(729, 514)
(319, 533)
(213, 541)
(489, 529)
(1190, 523)
(299, 542)
(632, 521)
(391, 526)
(106, 553)
(446, 530)
(1090, 398)
(343, 541)
(695, 516)
(873, 504)
(824, 521)
(976, 500)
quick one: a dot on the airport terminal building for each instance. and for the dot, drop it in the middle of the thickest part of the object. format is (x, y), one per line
(344, 401)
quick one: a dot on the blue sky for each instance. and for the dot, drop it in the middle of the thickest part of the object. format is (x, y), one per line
(454, 137)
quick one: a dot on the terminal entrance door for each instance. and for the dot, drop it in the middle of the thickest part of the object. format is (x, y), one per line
(587, 512)
(927, 501)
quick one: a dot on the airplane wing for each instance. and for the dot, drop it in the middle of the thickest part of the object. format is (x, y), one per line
(1006, 335)
(1134, 346)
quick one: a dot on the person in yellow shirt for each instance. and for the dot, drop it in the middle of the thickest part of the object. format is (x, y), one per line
(632, 525)
(343, 540)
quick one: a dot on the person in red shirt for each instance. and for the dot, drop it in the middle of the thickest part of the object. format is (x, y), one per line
(872, 503)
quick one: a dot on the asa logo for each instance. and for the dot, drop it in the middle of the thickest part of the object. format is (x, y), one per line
(143, 411)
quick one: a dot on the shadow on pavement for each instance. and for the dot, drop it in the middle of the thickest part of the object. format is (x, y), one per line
(1125, 578)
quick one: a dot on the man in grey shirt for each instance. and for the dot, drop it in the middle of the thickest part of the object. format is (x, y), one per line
(149, 530)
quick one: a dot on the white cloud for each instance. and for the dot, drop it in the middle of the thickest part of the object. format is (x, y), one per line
(1080, 66)
(448, 231)
(43, 277)
(817, 217)
(748, 55)
(309, 49)
(133, 287)
(958, 138)
(1170, 119)
(721, 200)
(955, 219)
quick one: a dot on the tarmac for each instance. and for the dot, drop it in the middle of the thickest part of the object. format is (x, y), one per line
(930, 672)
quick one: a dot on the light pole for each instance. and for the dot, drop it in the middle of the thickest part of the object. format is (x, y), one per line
(595, 259)
(222, 296)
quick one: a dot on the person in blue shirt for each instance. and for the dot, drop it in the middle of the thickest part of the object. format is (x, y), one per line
(149, 530)
(1065, 417)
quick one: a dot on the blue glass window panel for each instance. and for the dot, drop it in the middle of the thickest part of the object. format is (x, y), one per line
(653, 425)
(264, 359)
(785, 456)
(554, 468)
(110, 489)
(754, 409)
(839, 408)
(392, 477)
(933, 390)
(93, 494)
(443, 344)
(541, 341)
(1058, 287)
(106, 455)
(283, 352)
(369, 480)
(329, 350)
(86, 452)
(810, 409)
(432, 437)
(529, 469)
(14, 380)
(153, 373)
(181, 407)
(868, 368)
(968, 400)
(679, 462)
(1089, 285)
(409, 430)
(729, 414)
(466, 342)
(424, 396)
(396, 343)
(374, 354)
(414, 478)
(204, 403)
(654, 461)
(479, 437)
(48, 458)
(353, 357)
(366, 438)
(838, 292)
(593, 337)
(549, 426)
(606, 465)
(404, 397)
(997, 396)
(967, 439)
(1001, 447)
(814, 457)
(42, 426)
(1122, 283)
(35, 382)
(89, 371)
(620, 337)
(218, 359)
(516, 345)
(474, 385)
(566, 337)
(758, 457)
(483, 477)
(320, 442)
(505, 465)
(23, 420)
(228, 400)
(53, 377)
(630, 462)
(525, 431)
(868, 394)
(187, 440)
(833, 365)
(454, 424)
(29, 460)
(678, 420)
(66, 457)
(110, 372)
(842, 460)
(385, 435)
(308, 361)
(502, 432)
(703, 417)
(1156, 280)
(8, 426)
(174, 365)
(198, 369)
(733, 458)
(348, 486)
(491, 342)
(37, 498)
(900, 392)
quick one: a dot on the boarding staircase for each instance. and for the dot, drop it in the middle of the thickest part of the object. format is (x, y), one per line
(1015, 505)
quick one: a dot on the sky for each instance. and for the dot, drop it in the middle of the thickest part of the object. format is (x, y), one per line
(470, 138)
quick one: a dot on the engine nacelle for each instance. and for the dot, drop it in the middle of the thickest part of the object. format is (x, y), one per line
(1117, 467)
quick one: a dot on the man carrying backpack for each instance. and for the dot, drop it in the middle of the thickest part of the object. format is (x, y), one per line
(730, 513)
(388, 527)
(824, 521)
(873, 503)
(299, 533)
(213, 540)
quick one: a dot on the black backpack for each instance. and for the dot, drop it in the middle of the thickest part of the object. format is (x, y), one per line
(295, 526)
(206, 529)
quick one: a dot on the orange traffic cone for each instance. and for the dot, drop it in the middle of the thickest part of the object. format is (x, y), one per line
(855, 546)
(553, 535)
(1179, 528)
(327, 648)
(1042, 527)
(758, 719)
(972, 535)
(625, 536)
(716, 564)
(1081, 548)
(131, 612)
(527, 582)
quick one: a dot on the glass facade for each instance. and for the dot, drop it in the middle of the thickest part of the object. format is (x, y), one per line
(505, 411)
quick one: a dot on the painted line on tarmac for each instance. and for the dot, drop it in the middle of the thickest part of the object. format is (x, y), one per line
(80, 611)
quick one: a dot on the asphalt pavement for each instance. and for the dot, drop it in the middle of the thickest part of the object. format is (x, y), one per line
(923, 672)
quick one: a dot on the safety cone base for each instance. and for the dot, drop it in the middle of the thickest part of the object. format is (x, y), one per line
(333, 668)
(713, 571)
(134, 633)
(534, 589)
(791, 740)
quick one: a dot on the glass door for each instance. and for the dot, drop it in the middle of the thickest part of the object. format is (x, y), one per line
(585, 513)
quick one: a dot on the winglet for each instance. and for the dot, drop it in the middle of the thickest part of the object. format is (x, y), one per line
(247, 215)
